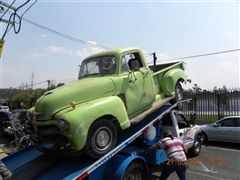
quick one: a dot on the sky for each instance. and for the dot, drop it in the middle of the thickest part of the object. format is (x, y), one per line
(172, 29)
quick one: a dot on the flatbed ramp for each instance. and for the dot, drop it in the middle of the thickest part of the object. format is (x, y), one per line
(30, 163)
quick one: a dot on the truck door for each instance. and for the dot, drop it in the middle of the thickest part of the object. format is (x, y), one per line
(184, 130)
(138, 85)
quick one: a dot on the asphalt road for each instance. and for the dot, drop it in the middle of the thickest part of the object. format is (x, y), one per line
(217, 161)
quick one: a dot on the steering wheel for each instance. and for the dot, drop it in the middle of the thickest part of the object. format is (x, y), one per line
(107, 63)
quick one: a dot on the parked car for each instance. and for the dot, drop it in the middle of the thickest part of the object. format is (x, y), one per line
(4, 108)
(226, 129)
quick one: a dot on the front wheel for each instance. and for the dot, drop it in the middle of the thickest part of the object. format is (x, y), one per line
(196, 148)
(135, 171)
(102, 138)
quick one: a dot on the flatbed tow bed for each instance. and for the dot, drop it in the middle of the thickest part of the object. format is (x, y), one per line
(30, 163)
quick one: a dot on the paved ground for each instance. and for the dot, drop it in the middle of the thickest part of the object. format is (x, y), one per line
(219, 161)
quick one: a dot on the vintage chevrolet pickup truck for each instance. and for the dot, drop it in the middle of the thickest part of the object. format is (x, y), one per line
(115, 89)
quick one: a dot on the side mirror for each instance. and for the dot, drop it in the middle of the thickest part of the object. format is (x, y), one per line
(216, 125)
(192, 121)
(143, 70)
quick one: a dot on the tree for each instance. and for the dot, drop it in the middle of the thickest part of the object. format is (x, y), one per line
(196, 88)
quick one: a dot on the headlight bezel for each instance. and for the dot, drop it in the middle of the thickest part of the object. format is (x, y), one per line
(64, 124)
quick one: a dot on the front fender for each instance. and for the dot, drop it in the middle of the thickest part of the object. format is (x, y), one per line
(84, 114)
(169, 80)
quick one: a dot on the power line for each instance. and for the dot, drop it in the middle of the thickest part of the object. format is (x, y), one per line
(14, 16)
(63, 35)
(199, 55)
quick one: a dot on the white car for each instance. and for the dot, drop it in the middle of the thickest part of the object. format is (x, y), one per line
(4, 108)
(226, 129)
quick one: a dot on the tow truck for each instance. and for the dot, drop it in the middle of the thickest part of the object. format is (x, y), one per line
(122, 162)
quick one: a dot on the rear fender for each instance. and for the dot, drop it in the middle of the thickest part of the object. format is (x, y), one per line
(169, 80)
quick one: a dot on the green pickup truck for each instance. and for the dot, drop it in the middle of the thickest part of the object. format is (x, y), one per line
(115, 89)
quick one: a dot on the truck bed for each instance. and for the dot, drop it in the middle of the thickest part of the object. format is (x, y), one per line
(159, 67)
(159, 71)
(164, 67)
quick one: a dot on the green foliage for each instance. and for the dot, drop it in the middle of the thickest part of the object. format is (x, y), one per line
(21, 98)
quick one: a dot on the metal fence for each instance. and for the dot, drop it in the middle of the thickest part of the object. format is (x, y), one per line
(212, 105)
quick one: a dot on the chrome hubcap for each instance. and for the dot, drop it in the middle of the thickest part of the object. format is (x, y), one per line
(197, 146)
(102, 138)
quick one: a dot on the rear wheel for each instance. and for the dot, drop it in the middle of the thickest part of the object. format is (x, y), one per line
(135, 171)
(102, 137)
(178, 93)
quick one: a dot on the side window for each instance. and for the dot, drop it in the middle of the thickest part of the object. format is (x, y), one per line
(237, 122)
(227, 123)
(182, 122)
(131, 61)
(124, 67)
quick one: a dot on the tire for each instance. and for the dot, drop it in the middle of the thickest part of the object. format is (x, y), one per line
(196, 149)
(204, 138)
(135, 171)
(178, 93)
(102, 138)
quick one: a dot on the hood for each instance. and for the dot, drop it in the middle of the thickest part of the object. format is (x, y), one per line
(79, 91)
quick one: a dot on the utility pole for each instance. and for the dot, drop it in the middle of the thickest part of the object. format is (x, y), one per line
(7, 5)
(32, 80)
(48, 81)
(2, 5)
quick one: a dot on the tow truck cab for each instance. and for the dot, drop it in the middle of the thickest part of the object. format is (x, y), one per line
(184, 129)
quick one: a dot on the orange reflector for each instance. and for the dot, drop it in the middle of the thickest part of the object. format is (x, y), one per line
(84, 175)
(73, 104)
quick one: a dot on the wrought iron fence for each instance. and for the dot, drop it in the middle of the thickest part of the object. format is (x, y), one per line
(212, 105)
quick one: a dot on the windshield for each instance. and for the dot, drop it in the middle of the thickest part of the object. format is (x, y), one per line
(98, 66)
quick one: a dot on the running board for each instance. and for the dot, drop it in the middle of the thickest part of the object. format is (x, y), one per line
(156, 105)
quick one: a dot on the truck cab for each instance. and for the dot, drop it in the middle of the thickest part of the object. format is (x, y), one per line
(130, 74)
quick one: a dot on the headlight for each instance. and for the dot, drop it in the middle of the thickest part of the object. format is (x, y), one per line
(64, 124)
(29, 115)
